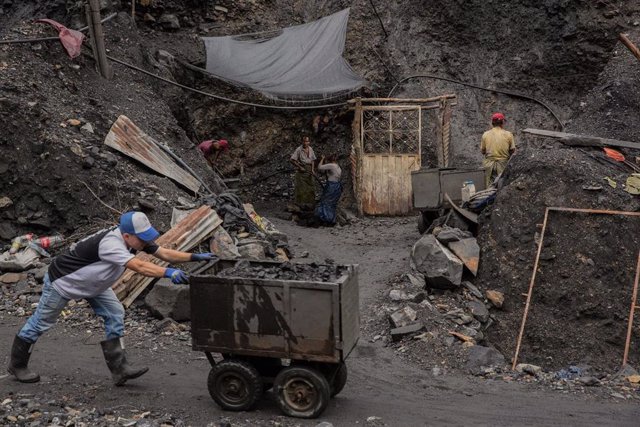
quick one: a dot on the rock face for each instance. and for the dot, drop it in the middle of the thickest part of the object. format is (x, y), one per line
(483, 357)
(169, 300)
(441, 268)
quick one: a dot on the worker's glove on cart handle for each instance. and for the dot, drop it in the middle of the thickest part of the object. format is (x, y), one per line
(203, 257)
(177, 276)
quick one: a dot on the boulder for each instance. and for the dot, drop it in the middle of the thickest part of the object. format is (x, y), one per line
(441, 268)
(169, 22)
(478, 310)
(169, 300)
(483, 357)
(403, 317)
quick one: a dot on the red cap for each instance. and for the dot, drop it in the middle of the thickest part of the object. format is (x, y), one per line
(498, 117)
(224, 144)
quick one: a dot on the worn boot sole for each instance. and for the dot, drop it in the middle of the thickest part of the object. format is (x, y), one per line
(27, 380)
(120, 381)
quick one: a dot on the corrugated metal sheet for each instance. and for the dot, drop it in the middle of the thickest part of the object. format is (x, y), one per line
(129, 139)
(184, 236)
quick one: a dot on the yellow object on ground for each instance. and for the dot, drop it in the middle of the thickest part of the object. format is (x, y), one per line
(633, 184)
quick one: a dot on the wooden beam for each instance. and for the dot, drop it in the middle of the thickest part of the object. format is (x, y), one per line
(629, 44)
(414, 100)
(582, 140)
(101, 51)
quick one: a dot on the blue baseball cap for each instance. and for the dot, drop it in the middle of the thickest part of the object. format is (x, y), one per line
(138, 224)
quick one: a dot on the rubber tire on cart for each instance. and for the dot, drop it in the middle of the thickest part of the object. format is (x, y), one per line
(234, 385)
(301, 392)
(339, 380)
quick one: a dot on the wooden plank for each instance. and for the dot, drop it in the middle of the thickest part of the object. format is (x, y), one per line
(582, 140)
(414, 100)
(130, 140)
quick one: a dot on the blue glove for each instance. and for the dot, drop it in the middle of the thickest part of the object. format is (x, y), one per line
(178, 277)
(203, 257)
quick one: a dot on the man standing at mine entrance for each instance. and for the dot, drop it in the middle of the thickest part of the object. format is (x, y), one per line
(87, 271)
(497, 146)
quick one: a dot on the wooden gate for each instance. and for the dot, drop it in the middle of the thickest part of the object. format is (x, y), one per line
(386, 149)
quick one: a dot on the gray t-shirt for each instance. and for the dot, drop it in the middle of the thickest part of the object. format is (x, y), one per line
(301, 156)
(334, 172)
(92, 265)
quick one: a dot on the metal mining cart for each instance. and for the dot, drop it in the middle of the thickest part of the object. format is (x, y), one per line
(291, 335)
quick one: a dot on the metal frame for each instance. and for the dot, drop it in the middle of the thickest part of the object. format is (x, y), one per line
(535, 270)
(360, 105)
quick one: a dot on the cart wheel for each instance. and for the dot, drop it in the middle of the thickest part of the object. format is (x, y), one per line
(234, 385)
(339, 380)
(301, 392)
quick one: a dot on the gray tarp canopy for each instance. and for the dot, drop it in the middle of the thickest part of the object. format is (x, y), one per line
(303, 61)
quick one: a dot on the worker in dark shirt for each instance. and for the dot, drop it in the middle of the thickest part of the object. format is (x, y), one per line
(87, 271)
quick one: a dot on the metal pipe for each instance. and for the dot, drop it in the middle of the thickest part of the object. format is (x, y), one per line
(634, 300)
(533, 280)
(186, 166)
(629, 44)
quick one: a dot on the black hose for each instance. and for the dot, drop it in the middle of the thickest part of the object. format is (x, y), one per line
(504, 92)
(222, 98)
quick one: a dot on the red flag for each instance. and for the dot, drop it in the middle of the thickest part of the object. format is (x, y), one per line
(71, 39)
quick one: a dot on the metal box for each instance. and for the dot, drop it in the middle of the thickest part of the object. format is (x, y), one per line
(425, 187)
(287, 319)
(430, 185)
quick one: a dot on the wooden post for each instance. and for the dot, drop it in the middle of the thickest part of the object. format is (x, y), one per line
(628, 43)
(133, 9)
(100, 51)
(92, 37)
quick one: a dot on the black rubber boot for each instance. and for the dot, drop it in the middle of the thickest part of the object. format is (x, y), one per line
(116, 358)
(18, 366)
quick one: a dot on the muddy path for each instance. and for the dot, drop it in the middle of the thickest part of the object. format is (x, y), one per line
(380, 385)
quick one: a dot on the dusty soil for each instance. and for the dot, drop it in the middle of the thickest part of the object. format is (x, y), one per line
(382, 389)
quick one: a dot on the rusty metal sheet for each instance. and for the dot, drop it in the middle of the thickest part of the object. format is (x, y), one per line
(468, 251)
(130, 140)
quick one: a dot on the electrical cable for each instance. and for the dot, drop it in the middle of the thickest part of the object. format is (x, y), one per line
(504, 92)
(223, 98)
